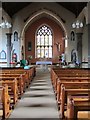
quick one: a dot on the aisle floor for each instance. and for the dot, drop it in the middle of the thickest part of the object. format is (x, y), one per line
(38, 101)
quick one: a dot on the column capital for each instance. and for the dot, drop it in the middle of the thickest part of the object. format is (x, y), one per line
(79, 30)
(79, 33)
(8, 34)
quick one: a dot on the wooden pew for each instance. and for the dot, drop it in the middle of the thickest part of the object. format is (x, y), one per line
(70, 84)
(69, 79)
(58, 81)
(19, 82)
(68, 74)
(30, 73)
(73, 70)
(15, 75)
(5, 101)
(75, 92)
(57, 77)
(23, 77)
(73, 106)
(12, 90)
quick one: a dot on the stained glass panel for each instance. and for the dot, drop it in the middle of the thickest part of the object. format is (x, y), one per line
(50, 39)
(44, 42)
(42, 52)
(38, 40)
(50, 52)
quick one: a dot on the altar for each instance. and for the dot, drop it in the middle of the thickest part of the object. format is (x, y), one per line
(44, 64)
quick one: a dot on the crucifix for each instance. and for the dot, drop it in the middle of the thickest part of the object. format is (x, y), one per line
(58, 46)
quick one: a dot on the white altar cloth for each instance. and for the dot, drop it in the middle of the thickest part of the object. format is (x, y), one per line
(44, 62)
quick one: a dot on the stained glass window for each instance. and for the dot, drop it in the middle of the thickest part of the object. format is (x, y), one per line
(44, 42)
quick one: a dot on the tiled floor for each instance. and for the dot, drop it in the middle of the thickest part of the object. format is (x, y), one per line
(39, 99)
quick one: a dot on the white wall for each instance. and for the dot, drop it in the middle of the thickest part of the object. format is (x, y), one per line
(3, 37)
(18, 19)
(85, 45)
(31, 10)
(88, 13)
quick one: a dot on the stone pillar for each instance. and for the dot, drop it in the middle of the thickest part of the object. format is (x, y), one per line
(79, 46)
(88, 27)
(8, 49)
(88, 46)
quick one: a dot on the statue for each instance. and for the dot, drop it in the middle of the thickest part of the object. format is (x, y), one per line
(73, 56)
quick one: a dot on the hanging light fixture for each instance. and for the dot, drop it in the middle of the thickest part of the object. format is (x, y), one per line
(77, 24)
(5, 24)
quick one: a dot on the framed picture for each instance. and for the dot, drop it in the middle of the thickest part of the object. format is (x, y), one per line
(29, 46)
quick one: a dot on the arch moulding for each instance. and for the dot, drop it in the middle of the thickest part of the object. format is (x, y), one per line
(39, 14)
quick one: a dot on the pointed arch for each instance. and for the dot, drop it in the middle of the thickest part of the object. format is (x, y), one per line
(2, 54)
(41, 13)
(44, 42)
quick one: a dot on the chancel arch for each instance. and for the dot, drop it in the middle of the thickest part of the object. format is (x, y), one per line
(51, 17)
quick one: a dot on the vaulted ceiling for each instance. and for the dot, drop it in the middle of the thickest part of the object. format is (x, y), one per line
(13, 7)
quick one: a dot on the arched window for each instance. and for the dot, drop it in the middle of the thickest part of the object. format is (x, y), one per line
(2, 54)
(15, 36)
(72, 36)
(44, 42)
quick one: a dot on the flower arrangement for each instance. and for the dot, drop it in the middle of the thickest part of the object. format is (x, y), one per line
(60, 57)
(30, 57)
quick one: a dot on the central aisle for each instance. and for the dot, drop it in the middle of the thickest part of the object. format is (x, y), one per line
(38, 101)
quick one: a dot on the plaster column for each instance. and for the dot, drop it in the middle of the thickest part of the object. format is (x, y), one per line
(88, 27)
(88, 46)
(79, 46)
(8, 49)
